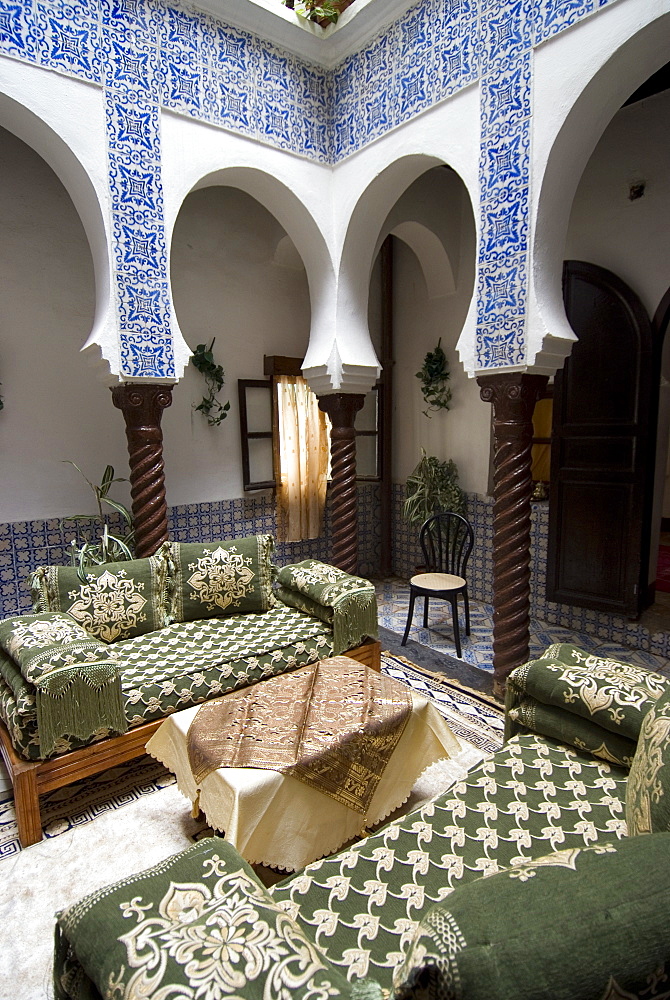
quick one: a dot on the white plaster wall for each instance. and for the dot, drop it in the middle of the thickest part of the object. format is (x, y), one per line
(581, 78)
(55, 409)
(630, 238)
(231, 280)
(63, 121)
(424, 312)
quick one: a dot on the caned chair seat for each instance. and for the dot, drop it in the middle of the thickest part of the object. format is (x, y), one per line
(446, 540)
(437, 581)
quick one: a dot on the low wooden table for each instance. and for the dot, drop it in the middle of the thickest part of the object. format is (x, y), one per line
(277, 820)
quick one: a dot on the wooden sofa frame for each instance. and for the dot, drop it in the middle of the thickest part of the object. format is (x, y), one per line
(31, 779)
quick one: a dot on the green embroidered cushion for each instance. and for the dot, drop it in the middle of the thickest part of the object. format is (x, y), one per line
(549, 720)
(648, 787)
(579, 924)
(217, 579)
(42, 643)
(117, 600)
(348, 601)
(75, 677)
(199, 924)
(606, 692)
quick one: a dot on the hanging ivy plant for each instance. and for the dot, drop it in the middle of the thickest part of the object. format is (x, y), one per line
(214, 376)
(434, 376)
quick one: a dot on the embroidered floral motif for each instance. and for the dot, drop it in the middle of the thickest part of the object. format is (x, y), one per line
(223, 937)
(108, 605)
(606, 684)
(647, 809)
(43, 633)
(220, 578)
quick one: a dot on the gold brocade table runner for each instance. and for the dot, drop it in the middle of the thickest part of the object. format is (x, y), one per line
(332, 724)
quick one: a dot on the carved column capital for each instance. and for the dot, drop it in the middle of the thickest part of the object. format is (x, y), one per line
(142, 407)
(145, 402)
(342, 408)
(513, 395)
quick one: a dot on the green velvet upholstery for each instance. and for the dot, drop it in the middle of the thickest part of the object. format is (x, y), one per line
(648, 791)
(361, 908)
(348, 602)
(216, 579)
(43, 643)
(180, 665)
(579, 924)
(184, 625)
(117, 601)
(75, 677)
(200, 924)
(594, 703)
(534, 795)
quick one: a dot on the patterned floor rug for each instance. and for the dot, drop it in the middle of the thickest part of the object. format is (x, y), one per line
(474, 718)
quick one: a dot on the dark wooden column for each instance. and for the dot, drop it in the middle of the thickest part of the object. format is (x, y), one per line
(513, 396)
(342, 408)
(142, 407)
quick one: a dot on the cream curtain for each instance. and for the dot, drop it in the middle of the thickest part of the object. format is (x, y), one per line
(304, 459)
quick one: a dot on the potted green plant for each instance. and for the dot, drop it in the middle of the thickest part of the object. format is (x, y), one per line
(324, 12)
(108, 546)
(432, 487)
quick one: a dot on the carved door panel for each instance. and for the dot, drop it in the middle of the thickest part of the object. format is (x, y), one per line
(602, 443)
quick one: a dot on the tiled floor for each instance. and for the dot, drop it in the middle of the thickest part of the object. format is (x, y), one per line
(477, 648)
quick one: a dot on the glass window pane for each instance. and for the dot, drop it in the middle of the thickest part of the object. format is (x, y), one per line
(366, 418)
(260, 460)
(366, 456)
(259, 409)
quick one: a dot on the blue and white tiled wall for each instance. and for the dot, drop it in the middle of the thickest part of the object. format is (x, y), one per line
(148, 54)
(27, 544)
(24, 545)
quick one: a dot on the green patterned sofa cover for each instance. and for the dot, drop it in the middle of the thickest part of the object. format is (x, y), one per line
(188, 624)
(201, 924)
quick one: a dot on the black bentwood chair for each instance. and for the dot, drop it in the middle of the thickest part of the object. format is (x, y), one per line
(446, 540)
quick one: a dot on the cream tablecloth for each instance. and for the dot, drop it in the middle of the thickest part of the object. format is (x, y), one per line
(277, 820)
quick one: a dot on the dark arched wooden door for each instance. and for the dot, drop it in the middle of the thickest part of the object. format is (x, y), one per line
(603, 447)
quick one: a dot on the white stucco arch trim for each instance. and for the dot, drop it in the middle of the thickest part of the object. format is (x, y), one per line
(366, 186)
(431, 254)
(614, 52)
(45, 110)
(294, 190)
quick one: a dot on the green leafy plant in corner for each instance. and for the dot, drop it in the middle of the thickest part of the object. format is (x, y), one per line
(108, 546)
(214, 375)
(316, 10)
(434, 375)
(432, 487)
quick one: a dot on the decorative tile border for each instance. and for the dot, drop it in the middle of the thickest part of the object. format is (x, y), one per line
(149, 56)
(27, 544)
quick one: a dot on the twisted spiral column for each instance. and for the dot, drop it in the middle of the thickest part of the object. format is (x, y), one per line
(513, 396)
(142, 407)
(342, 408)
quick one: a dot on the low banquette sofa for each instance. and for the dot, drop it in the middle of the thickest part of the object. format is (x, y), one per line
(542, 874)
(87, 678)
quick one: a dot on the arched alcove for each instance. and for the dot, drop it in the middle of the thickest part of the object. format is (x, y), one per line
(55, 408)
(228, 284)
(638, 55)
(614, 145)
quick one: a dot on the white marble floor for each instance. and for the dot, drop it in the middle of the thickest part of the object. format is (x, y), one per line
(477, 648)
